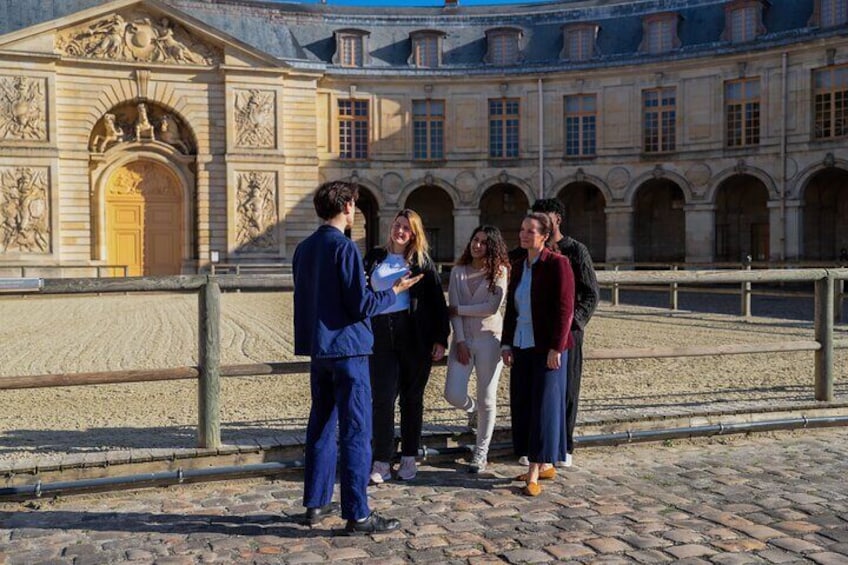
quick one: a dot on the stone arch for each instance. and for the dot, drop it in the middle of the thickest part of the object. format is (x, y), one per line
(435, 206)
(658, 173)
(366, 226)
(504, 205)
(802, 180)
(585, 216)
(581, 177)
(428, 180)
(761, 175)
(825, 214)
(505, 178)
(741, 218)
(158, 154)
(659, 227)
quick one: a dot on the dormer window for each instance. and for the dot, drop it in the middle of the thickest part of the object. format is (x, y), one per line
(503, 46)
(351, 48)
(743, 21)
(659, 33)
(579, 42)
(829, 13)
(426, 49)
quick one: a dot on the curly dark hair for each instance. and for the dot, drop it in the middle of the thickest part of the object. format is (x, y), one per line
(496, 253)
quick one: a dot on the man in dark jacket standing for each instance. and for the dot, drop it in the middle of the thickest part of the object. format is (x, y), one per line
(332, 306)
(587, 294)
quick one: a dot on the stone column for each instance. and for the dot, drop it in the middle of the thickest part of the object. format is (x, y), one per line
(386, 215)
(700, 233)
(789, 229)
(619, 234)
(465, 219)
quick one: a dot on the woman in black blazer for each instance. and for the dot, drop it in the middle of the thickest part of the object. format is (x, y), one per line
(535, 342)
(408, 337)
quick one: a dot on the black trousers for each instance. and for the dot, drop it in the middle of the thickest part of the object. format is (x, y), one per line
(400, 368)
(572, 395)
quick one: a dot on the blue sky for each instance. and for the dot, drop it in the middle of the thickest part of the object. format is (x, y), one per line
(417, 3)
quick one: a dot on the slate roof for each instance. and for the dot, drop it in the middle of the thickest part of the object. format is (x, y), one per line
(305, 32)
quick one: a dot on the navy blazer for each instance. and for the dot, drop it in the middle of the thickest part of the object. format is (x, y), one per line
(332, 303)
(551, 302)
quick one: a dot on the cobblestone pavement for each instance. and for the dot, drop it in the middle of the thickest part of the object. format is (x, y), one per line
(765, 498)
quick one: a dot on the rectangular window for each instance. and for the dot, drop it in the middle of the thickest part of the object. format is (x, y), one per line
(660, 35)
(742, 104)
(503, 128)
(350, 54)
(833, 13)
(660, 119)
(428, 129)
(580, 125)
(743, 24)
(427, 51)
(353, 129)
(503, 48)
(581, 43)
(831, 102)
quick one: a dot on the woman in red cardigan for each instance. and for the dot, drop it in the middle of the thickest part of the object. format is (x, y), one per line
(535, 342)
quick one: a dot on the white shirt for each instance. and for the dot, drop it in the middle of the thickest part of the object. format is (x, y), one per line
(393, 267)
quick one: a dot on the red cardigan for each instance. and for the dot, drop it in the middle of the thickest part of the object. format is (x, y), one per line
(551, 301)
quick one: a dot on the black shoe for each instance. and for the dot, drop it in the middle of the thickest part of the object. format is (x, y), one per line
(313, 516)
(372, 525)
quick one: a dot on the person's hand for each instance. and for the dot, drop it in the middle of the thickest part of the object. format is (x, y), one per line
(453, 311)
(506, 357)
(406, 282)
(554, 358)
(438, 351)
(463, 355)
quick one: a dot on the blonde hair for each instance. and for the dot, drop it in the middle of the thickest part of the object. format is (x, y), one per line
(417, 251)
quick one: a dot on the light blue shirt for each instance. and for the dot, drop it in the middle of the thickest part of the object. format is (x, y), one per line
(524, 323)
(384, 276)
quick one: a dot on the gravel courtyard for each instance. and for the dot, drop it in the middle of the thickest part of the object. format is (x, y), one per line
(42, 335)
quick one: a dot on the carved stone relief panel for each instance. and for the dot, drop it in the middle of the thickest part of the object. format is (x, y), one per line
(255, 116)
(256, 212)
(23, 108)
(143, 178)
(24, 210)
(131, 122)
(136, 36)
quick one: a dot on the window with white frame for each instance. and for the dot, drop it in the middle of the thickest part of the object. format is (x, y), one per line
(503, 47)
(659, 33)
(428, 129)
(580, 112)
(426, 50)
(579, 42)
(351, 48)
(743, 21)
(353, 129)
(659, 119)
(830, 102)
(832, 12)
(742, 107)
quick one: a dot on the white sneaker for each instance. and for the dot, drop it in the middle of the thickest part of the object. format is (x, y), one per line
(566, 463)
(523, 460)
(407, 469)
(380, 472)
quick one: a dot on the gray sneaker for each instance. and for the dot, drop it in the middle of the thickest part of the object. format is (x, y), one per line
(478, 462)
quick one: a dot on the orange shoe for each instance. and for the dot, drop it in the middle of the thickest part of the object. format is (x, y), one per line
(532, 489)
(544, 474)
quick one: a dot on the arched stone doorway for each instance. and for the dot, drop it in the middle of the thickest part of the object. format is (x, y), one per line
(436, 210)
(660, 223)
(585, 219)
(144, 219)
(366, 223)
(504, 206)
(826, 215)
(742, 220)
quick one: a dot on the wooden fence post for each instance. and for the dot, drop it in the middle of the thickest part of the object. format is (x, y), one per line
(209, 358)
(824, 335)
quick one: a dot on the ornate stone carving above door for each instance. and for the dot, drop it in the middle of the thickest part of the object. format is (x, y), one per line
(136, 36)
(23, 108)
(24, 210)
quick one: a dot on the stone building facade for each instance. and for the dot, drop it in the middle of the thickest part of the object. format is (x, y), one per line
(162, 134)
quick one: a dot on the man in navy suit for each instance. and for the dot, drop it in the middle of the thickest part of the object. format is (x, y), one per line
(332, 307)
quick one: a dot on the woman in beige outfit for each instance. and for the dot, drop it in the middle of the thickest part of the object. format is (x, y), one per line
(476, 293)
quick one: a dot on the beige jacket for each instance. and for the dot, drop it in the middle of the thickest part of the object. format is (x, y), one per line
(479, 312)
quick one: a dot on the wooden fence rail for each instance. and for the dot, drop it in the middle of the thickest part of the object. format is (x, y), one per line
(210, 370)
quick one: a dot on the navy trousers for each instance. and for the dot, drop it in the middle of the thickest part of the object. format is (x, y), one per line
(537, 406)
(341, 394)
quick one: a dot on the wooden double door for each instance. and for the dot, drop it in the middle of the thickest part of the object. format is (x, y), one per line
(144, 219)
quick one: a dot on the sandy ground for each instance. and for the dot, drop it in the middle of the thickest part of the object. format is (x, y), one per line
(43, 335)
